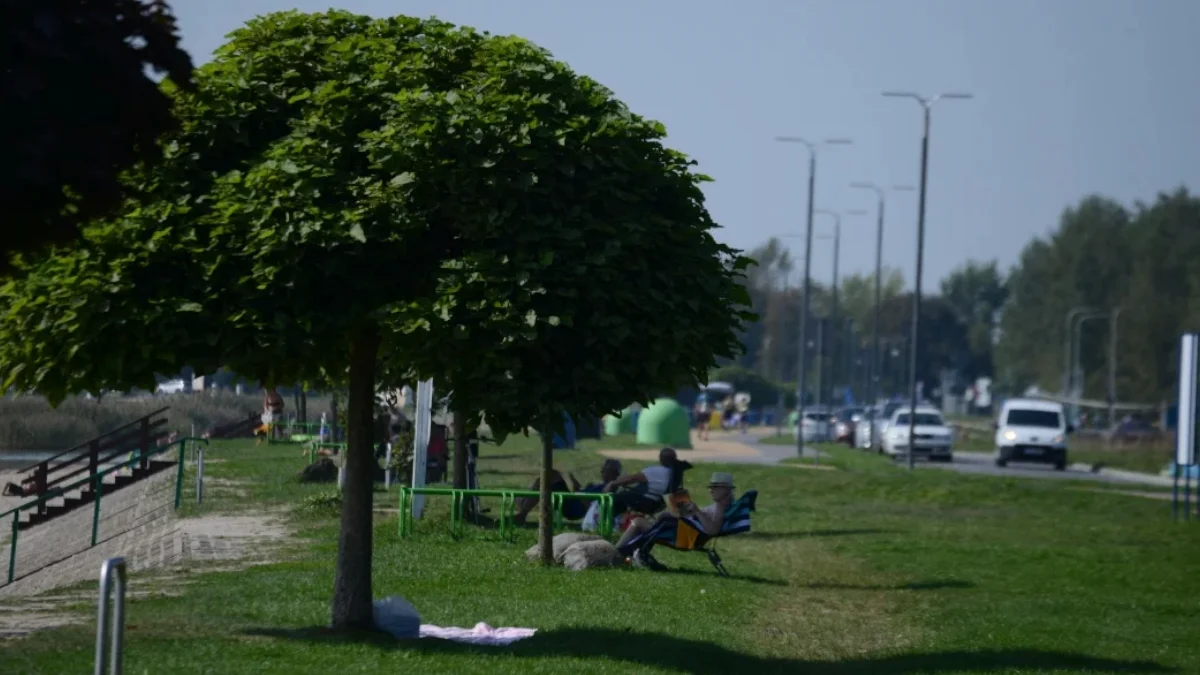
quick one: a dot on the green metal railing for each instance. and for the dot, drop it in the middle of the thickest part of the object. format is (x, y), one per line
(97, 486)
(314, 446)
(508, 507)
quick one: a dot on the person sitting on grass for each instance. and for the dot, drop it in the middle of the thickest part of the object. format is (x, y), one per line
(648, 486)
(573, 509)
(690, 522)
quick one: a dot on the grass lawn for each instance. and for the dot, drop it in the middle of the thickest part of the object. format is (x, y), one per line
(864, 569)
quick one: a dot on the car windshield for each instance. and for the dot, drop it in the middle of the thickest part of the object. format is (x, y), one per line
(890, 408)
(1048, 419)
(924, 419)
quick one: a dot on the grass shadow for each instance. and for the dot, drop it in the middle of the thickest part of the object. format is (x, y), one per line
(935, 585)
(670, 652)
(712, 574)
(805, 534)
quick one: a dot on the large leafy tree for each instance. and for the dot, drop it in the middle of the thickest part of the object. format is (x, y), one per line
(336, 179)
(78, 109)
(613, 291)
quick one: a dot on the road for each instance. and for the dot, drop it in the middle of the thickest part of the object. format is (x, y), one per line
(984, 463)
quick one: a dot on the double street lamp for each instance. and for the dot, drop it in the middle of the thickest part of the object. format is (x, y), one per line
(926, 104)
(812, 177)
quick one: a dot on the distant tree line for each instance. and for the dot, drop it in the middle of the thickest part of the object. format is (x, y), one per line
(1144, 259)
(957, 334)
(1011, 326)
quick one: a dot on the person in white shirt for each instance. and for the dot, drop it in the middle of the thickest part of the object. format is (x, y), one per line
(648, 486)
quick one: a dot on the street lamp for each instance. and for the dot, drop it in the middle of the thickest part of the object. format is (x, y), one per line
(1068, 346)
(812, 178)
(873, 373)
(1112, 367)
(1077, 352)
(833, 314)
(926, 105)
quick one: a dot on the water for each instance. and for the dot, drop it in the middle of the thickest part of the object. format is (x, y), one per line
(13, 460)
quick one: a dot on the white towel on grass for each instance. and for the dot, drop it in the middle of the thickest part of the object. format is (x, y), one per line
(481, 634)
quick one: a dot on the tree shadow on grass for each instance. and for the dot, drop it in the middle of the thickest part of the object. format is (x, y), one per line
(669, 652)
(935, 585)
(806, 534)
(711, 574)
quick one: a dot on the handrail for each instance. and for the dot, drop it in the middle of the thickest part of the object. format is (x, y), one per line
(118, 451)
(91, 440)
(111, 626)
(508, 499)
(58, 491)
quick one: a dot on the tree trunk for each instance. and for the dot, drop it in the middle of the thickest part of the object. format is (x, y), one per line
(545, 509)
(352, 580)
(333, 417)
(460, 449)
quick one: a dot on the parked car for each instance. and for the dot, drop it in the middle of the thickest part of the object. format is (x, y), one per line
(883, 417)
(816, 426)
(1031, 430)
(862, 428)
(932, 437)
(845, 421)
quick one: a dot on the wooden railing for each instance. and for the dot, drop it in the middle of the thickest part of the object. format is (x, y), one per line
(48, 477)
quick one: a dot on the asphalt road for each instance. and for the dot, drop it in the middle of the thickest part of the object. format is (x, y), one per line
(984, 463)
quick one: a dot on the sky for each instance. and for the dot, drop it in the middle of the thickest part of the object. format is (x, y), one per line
(1071, 98)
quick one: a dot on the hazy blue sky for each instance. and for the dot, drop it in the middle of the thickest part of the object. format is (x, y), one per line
(1072, 97)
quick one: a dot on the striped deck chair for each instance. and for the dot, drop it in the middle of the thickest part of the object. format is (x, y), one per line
(687, 535)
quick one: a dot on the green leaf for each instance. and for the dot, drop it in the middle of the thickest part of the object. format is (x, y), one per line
(402, 179)
(357, 234)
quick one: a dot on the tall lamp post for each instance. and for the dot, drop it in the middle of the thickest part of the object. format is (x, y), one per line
(1112, 367)
(812, 179)
(872, 395)
(1078, 348)
(926, 105)
(833, 315)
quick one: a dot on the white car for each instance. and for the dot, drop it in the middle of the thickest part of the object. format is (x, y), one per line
(816, 426)
(1029, 430)
(933, 438)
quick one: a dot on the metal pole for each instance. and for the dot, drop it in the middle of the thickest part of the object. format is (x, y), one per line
(873, 386)
(926, 104)
(199, 475)
(802, 385)
(387, 471)
(820, 360)
(834, 323)
(112, 662)
(1068, 338)
(808, 236)
(1112, 367)
(1076, 352)
(916, 305)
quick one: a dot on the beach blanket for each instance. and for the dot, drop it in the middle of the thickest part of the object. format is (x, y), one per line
(481, 634)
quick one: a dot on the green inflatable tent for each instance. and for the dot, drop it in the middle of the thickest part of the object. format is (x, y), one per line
(665, 423)
(621, 423)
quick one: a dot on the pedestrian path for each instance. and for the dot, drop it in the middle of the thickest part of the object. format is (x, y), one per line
(725, 447)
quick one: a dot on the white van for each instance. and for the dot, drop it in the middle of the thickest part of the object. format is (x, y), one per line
(1032, 430)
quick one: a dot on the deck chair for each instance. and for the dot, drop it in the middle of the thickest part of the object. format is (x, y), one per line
(686, 534)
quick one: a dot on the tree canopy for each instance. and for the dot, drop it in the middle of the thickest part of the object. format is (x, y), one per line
(355, 197)
(1103, 255)
(78, 109)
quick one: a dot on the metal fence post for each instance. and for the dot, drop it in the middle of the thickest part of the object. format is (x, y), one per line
(97, 489)
(111, 663)
(199, 475)
(12, 551)
(387, 468)
(179, 476)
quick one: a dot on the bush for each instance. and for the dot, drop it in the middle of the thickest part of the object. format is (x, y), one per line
(29, 423)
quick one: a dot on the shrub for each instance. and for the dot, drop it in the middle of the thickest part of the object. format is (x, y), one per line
(29, 423)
